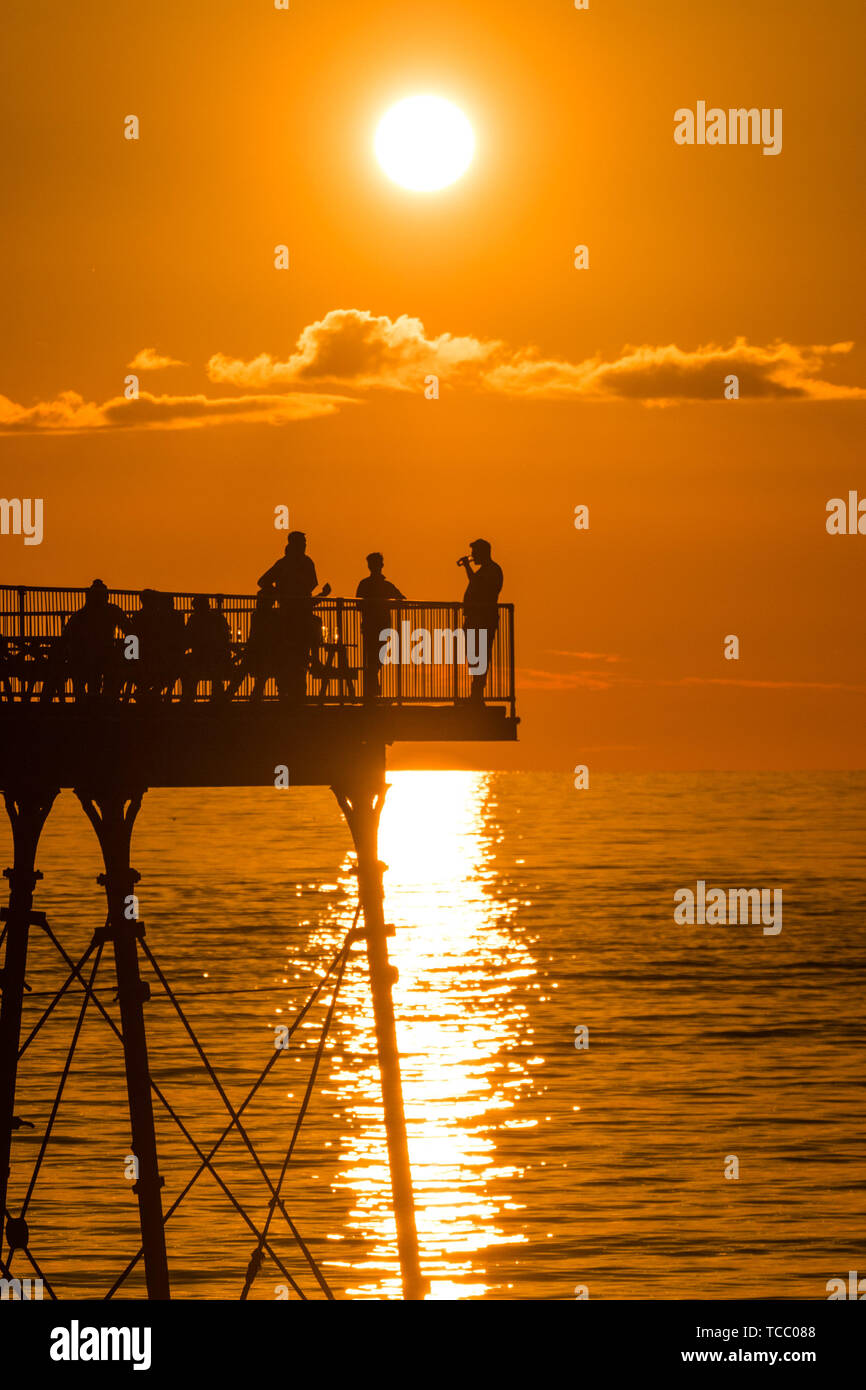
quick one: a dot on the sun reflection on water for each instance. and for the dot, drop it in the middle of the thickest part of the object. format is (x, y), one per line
(458, 957)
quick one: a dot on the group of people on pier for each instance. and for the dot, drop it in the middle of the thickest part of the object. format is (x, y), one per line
(157, 648)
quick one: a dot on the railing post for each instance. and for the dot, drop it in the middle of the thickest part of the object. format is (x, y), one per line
(512, 694)
(455, 618)
(340, 653)
(22, 598)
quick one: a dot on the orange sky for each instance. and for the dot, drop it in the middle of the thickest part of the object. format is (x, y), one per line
(706, 516)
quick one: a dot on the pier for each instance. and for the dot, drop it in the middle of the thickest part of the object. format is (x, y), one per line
(110, 739)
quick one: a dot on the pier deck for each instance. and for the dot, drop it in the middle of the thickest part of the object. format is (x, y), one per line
(239, 746)
(49, 733)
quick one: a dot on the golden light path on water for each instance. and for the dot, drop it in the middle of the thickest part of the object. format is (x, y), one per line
(458, 954)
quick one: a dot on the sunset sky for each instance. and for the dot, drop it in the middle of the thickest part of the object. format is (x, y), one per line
(559, 386)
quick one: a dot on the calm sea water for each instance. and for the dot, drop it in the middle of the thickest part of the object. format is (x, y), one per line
(524, 909)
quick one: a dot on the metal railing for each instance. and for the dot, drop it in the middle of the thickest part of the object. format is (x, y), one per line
(430, 656)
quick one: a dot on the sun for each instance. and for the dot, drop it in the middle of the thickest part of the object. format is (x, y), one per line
(424, 143)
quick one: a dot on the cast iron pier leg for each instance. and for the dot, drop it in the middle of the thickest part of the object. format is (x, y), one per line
(112, 816)
(28, 810)
(362, 807)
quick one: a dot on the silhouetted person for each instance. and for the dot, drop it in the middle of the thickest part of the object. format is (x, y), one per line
(294, 576)
(377, 594)
(262, 655)
(293, 579)
(87, 646)
(174, 645)
(161, 644)
(208, 643)
(139, 668)
(480, 607)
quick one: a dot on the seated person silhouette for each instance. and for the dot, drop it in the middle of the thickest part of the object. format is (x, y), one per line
(172, 646)
(161, 643)
(208, 647)
(87, 648)
(480, 607)
(262, 656)
(376, 594)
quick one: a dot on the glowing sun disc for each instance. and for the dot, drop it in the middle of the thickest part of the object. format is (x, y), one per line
(424, 143)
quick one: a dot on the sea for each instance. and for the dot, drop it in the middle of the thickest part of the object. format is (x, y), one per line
(602, 1102)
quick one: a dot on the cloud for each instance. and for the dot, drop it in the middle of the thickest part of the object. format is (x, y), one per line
(768, 685)
(667, 375)
(587, 656)
(531, 678)
(355, 351)
(358, 350)
(352, 347)
(149, 360)
(69, 413)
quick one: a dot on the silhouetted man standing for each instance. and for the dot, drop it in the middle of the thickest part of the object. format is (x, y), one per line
(480, 607)
(293, 579)
(376, 594)
(294, 576)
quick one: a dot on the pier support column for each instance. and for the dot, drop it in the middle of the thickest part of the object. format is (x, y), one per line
(361, 803)
(28, 810)
(112, 815)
